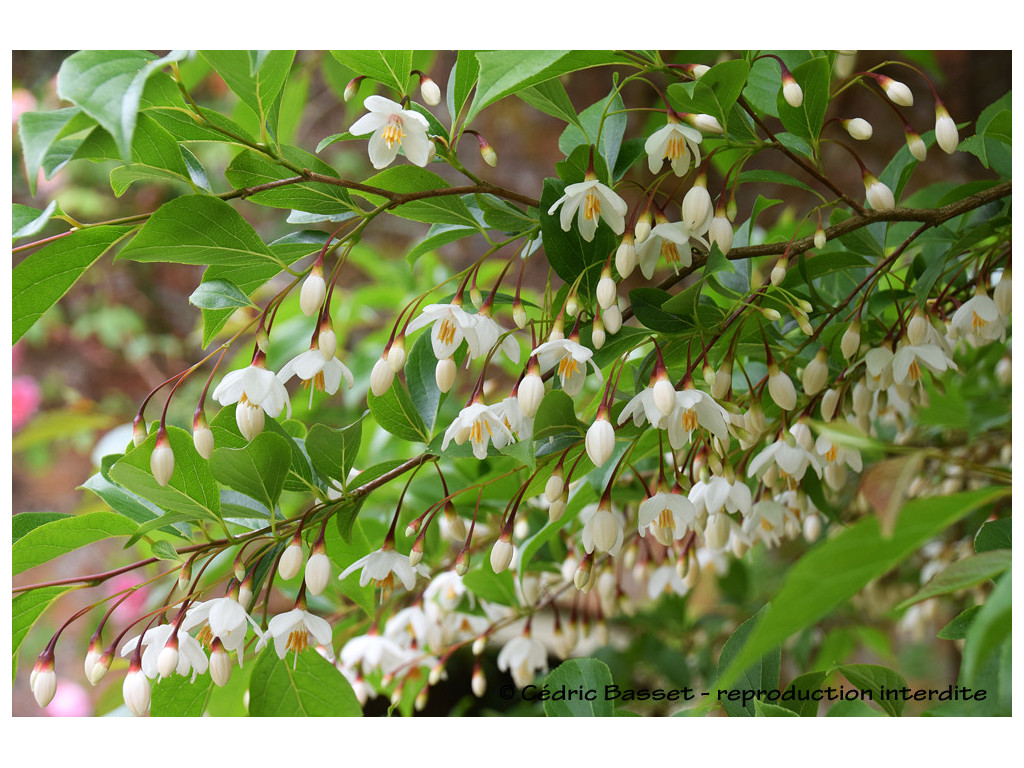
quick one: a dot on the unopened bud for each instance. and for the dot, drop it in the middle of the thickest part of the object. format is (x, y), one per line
(167, 661)
(850, 343)
(612, 319)
(829, 402)
(476, 297)
(314, 291)
(327, 342)
(444, 374)
(606, 289)
(720, 232)
(707, 123)
(779, 271)
(642, 229)
(501, 554)
(916, 145)
(723, 380)
(572, 305)
(917, 328)
(479, 682)
(697, 207)
(664, 395)
(416, 553)
(600, 440)
(897, 92)
(557, 507)
(946, 134)
(488, 154)
(43, 680)
(519, 314)
(161, 462)
(816, 373)
(352, 87)
(202, 436)
(318, 571)
(396, 355)
(791, 91)
(583, 572)
(429, 91)
(597, 334)
(381, 377)
(812, 528)
(136, 691)
(554, 486)
(1002, 294)
(291, 560)
(858, 128)
(139, 433)
(878, 195)
(769, 314)
(220, 664)
(100, 667)
(781, 388)
(819, 238)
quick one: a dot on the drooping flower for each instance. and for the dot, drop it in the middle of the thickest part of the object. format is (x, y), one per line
(256, 390)
(666, 578)
(571, 358)
(791, 458)
(523, 657)
(668, 239)
(480, 425)
(696, 409)
(979, 316)
(311, 366)
(907, 362)
(602, 528)
(512, 416)
(393, 128)
(642, 407)
(382, 566)
(451, 323)
(718, 494)
(222, 618)
(373, 652)
(669, 516)
(676, 143)
(292, 631)
(190, 652)
(593, 201)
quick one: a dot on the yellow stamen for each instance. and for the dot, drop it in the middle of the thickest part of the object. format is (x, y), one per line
(205, 636)
(446, 333)
(665, 519)
(831, 454)
(591, 206)
(765, 525)
(475, 432)
(393, 133)
(689, 422)
(915, 371)
(567, 366)
(670, 251)
(298, 640)
(978, 323)
(388, 582)
(676, 148)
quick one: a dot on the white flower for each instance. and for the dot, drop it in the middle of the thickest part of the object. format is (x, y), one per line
(946, 135)
(485, 337)
(720, 231)
(373, 652)
(878, 363)
(669, 516)
(292, 631)
(445, 591)
(136, 692)
(979, 315)
(523, 656)
(697, 208)
(451, 324)
(190, 653)
(792, 460)
(767, 522)
(600, 440)
(511, 415)
(695, 408)
(674, 142)
(781, 388)
(907, 362)
(480, 425)
(718, 494)
(878, 195)
(382, 566)
(413, 624)
(642, 406)
(256, 390)
(897, 92)
(393, 127)
(571, 359)
(792, 92)
(312, 366)
(858, 128)
(223, 618)
(665, 578)
(593, 200)
(602, 528)
(668, 239)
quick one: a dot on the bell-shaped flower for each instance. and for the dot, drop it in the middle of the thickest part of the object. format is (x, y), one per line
(293, 631)
(642, 407)
(480, 425)
(717, 494)
(909, 358)
(523, 657)
(190, 653)
(313, 368)
(411, 624)
(393, 128)
(571, 359)
(766, 522)
(696, 409)
(593, 201)
(373, 652)
(668, 239)
(486, 334)
(450, 326)
(791, 459)
(512, 416)
(676, 143)
(382, 565)
(222, 618)
(257, 391)
(602, 528)
(978, 316)
(669, 516)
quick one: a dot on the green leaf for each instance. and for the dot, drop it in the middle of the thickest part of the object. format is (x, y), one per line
(333, 451)
(422, 382)
(461, 82)
(853, 708)
(995, 534)
(165, 551)
(506, 72)
(38, 282)
(990, 627)
(26, 221)
(26, 608)
(59, 537)
(835, 570)
(219, 294)
(488, 585)
(259, 87)
(758, 176)
(258, 470)
(119, 499)
(155, 155)
(860, 241)
(875, 678)
(313, 687)
(191, 492)
(40, 133)
(24, 522)
(551, 99)
(251, 169)
(555, 416)
(714, 93)
(522, 451)
(649, 307)
(762, 709)
(178, 696)
(437, 236)
(806, 120)
(605, 118)
(963, 574)
(199, 229)
(761, 675)
(390, 68)
(575, 675)
(957, 628)
(568, 253)
(810, 682)
(396, 413)
(433, 210)
(107, 85)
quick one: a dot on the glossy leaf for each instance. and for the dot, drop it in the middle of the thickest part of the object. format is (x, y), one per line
(487, 585)
(258, 470)
(250, 169)
(308, 686)
(809, 682)
(178, 696)
(461, 81)
(257, 80)
(444, 209)
(761, 675)
(963, 574)
(995, 534)
(26, 221)
(219, 294)
(26, 608)
(957, 628)
(40, 133)
(38, 282)
(551, 99)
(396, 413)
(59, 537)
(813, 78)
(576, 674)
(875, 678)
(390, 68)
(333, 451)
(991, 626)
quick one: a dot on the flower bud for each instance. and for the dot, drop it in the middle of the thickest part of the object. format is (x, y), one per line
(557, 329)
(167, 661)
(250, 420)
(583, 573)
(916, 145)
(600, 440)
(791, 91)
(479, 682)
(327, 342)
(220, 664)
(717, 530)
(723, 380)
(850, 343)
(816, 373)
(861, 399)
(444, 374)
(100, 667)
(597, 334)
(769, 314)
(878, 195)
(136, 690)
(606, 289)
(43, 680)
(381, 377)
(202, 436)
(501, 554)
(1002, 294)
(697, 207)
(245, 592)
(897, 92)
(557, 507)
(462, 562)
(318, 571)
(858, 128)
(476, 297)
(917, 328)
(664, 395)
(519, 314)
(819, 238)
(812, 528)
(314, 291)
(946, 135)
(92, 657)
(707, 124)
(698, 70)
(291, 560)
(642, 229)
(139, 433)
(488, 154)
(530, 394)
(781, 388)
(779, 271)
(161, 462)
(572, 305)
(720, 232)
(352, 88)
(829, 402)
(396, 355)
(555, 484)
(429, 91)
(612, 319)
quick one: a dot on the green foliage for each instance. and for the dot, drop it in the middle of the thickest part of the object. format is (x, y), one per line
(306, 686)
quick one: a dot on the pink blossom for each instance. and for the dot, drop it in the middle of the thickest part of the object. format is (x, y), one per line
(26, 398)
(70, 700)
(133, 607)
